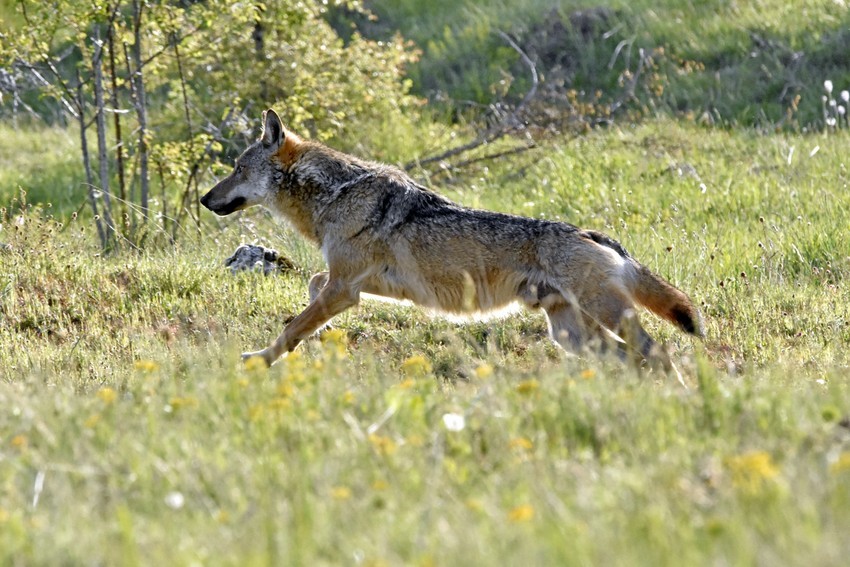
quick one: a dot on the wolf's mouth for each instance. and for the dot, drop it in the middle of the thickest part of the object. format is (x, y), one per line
(225, 209)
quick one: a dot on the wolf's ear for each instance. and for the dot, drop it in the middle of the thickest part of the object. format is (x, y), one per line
(272, 129)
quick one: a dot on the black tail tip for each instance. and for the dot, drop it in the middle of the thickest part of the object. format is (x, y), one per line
(688, 319)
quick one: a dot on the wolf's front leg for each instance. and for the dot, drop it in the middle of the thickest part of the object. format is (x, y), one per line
(317, 284)
(335, 297)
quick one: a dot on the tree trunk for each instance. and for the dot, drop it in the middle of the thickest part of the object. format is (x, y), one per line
(119, 141)
(100, 121)
(259, 37)
(141, 108)
(81, 115)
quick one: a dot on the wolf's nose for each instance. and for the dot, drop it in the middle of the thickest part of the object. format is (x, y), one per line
(205, 201)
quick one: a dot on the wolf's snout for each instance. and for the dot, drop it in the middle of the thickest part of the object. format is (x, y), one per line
(222, 208)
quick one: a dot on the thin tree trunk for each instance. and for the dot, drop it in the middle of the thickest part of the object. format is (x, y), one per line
(81, 115)
(141, 108)
(164, 199)
(119, 141)
(259, 37)
(192, 177)
(131, 193)
(100, 121)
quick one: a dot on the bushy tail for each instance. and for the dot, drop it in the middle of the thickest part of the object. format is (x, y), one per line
(666, 301)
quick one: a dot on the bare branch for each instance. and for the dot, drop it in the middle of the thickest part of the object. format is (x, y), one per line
(495, 155)
(630, 88)
(41, 79)
(503, 127)
(531, 67)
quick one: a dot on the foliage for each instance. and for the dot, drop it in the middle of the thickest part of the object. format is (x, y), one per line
(203, 70)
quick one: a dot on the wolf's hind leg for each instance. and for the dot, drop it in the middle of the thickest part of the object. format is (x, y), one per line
(640, 347)
(566, 327)
(616, 312)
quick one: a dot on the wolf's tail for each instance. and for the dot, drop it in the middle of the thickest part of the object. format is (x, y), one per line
(660, 297)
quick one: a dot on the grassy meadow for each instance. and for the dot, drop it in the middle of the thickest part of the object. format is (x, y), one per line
(132, 434)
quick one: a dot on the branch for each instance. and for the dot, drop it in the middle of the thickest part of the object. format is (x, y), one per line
(630, 89)
(531, 67)
(493, 133)
(485, 138)
(177, 40)
(496, 155)
(40, 78)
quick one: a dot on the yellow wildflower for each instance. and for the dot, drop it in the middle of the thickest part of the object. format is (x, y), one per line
(348, 398)
(588, 373)
(107, 395)
(483, 371)
(280, 404)
(340, 493)
(146, 365)
(91, 421)
(178, 402)
(528, 386)
(522, 513)
(19, 441)
(416, 365)
(841, 464)
(295, 366)
(750, 471)
(520, 443)
(285, 390)
(256, 364)
(406, 384)
(255, 412)
(383, 445)
(334, 337)
(380, 484)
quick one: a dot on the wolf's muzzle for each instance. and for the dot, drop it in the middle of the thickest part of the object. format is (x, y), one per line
(223, 209)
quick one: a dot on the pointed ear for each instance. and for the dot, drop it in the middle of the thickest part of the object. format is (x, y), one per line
(273, 132)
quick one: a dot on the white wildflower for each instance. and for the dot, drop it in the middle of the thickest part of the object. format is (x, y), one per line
(830, 121)
(841, 110)
(827, 85)
(845, 96)
(174, 500)
(454, 421)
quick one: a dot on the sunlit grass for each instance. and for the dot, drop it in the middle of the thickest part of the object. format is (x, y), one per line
(133, 433)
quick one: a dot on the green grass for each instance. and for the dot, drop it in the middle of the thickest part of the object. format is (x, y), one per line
(131, 433)
(43, 161)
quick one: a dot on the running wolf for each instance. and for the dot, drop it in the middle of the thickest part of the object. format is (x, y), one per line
(381, 233)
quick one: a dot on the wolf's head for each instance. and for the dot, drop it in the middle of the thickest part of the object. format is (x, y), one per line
(253, 179)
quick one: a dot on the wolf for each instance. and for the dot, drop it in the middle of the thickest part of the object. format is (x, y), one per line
(382, 233)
